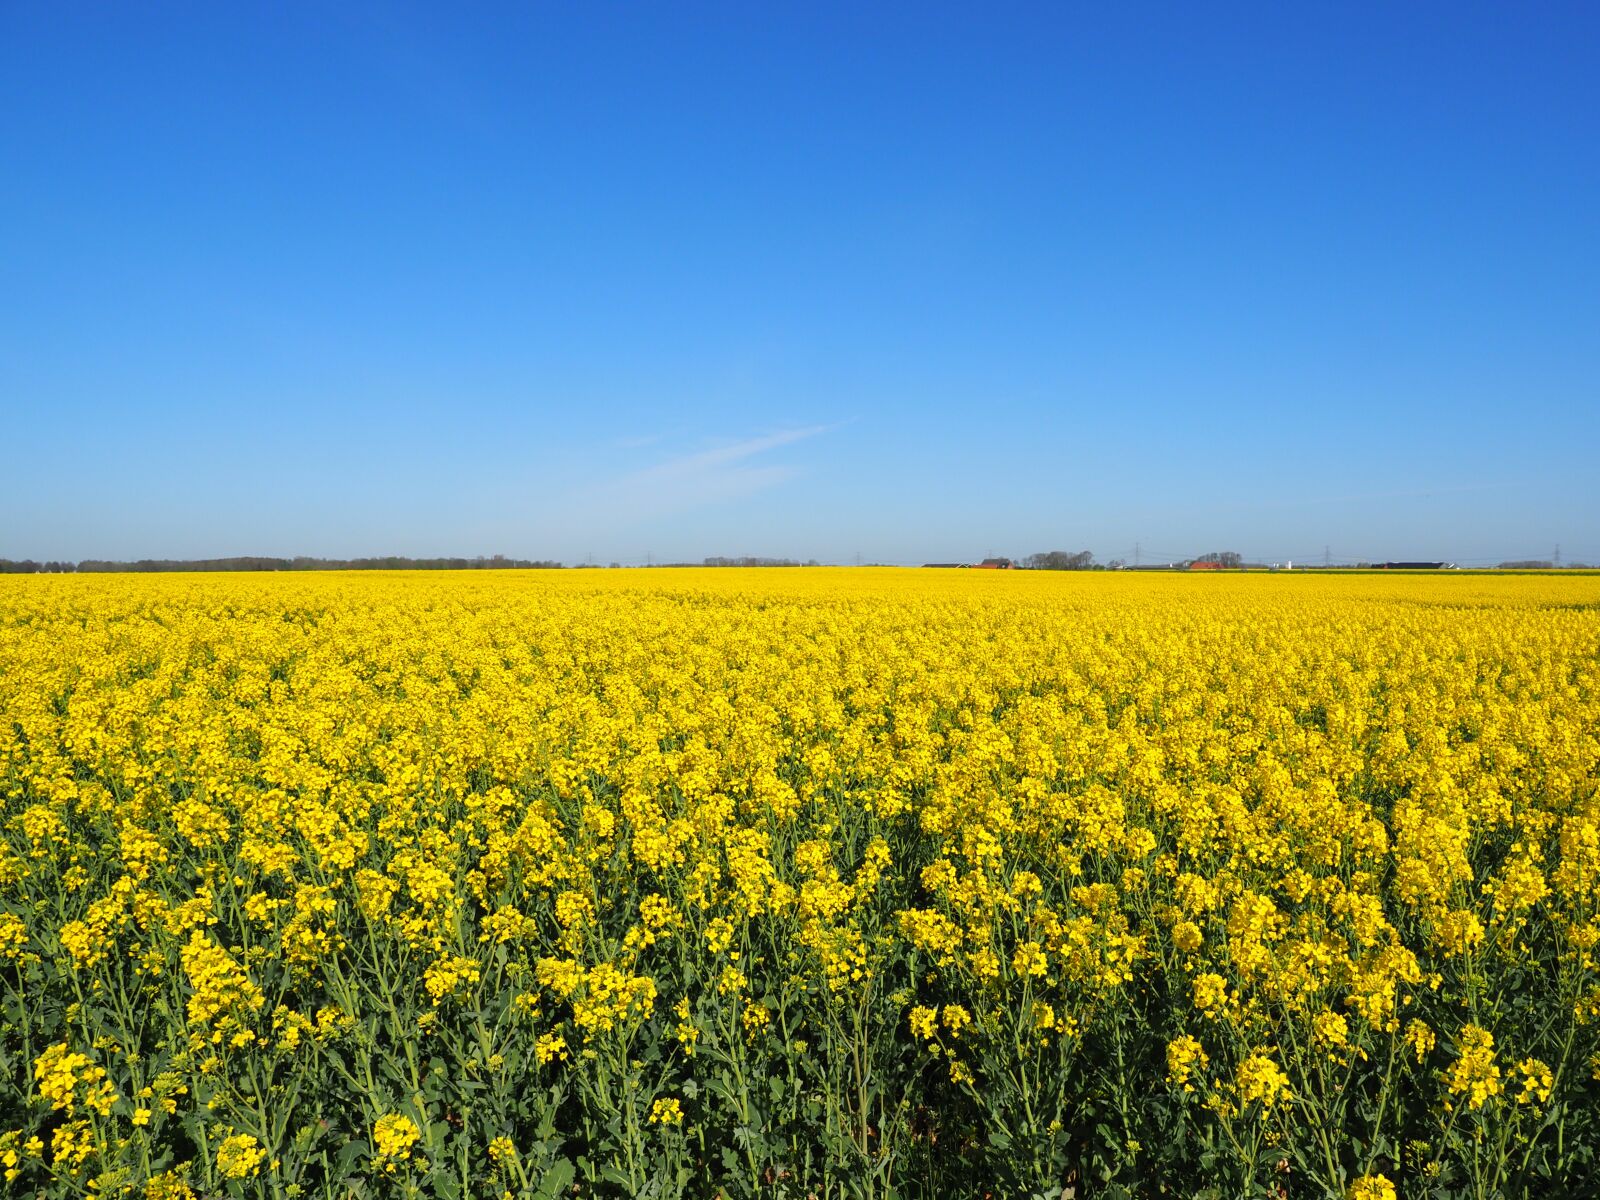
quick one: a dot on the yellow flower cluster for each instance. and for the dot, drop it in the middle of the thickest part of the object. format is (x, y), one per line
(1474, 1073)
(1371, 1187)
(222, 996)
(1261, 1080)
(394, 1135)
(1185, 1056)
(239, 1156)
(666, 1111)
(68, 1079)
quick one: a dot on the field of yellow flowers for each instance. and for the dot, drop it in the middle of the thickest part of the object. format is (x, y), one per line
(810, 883)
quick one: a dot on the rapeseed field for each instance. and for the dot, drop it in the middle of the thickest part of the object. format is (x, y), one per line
(810, 883)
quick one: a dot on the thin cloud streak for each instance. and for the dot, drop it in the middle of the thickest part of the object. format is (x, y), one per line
(707, 477)
(706, 462)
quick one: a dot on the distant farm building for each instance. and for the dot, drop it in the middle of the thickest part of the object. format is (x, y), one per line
(1410, 566)
(1205, 564)
(988, 564)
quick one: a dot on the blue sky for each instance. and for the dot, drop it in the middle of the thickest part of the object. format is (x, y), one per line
(908, 283)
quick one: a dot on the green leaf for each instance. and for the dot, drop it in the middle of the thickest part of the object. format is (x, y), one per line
(557, 1180)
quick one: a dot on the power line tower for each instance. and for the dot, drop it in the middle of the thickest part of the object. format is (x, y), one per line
(1136, 554)
(1327, 559)
(1555, 559)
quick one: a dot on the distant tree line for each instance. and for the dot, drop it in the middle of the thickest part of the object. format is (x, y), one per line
(27, 566)
(256, 563)
(1059, 560)
(1083, 560)
(748, 560)
(752, 561)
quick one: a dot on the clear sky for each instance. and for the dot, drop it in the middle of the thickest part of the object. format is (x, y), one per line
(920, 282)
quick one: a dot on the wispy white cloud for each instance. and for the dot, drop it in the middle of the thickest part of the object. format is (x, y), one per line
(717, 475)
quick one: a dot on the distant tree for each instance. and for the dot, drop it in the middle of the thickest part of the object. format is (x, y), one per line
(1059, 560)
(1527, 564)
(751, 560)
(303, 563)
(1223, 558)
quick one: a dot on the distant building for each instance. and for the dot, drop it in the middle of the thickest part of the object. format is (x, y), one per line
(948, 565)
(1205, 564)
(1410, 566)
(996, 564)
